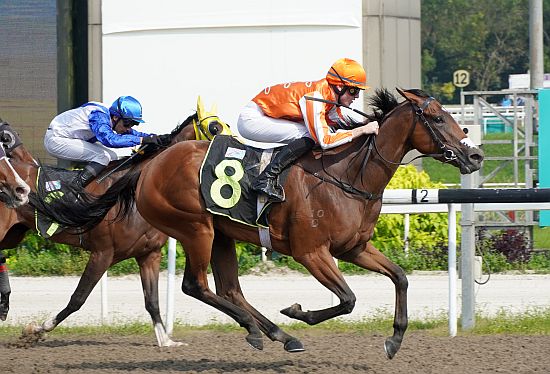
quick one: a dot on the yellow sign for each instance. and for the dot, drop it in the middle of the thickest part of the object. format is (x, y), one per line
(461, 78)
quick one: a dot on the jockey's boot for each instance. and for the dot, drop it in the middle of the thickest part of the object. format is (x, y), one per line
(267, 182)
(86, 175)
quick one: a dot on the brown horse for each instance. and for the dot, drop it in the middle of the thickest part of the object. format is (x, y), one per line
(333, 200)
(108, 244)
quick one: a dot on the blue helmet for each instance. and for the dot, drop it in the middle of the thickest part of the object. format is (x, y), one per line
(127, 107)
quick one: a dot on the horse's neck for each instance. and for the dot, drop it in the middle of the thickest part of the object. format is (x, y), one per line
(22, 154)
(392, 143)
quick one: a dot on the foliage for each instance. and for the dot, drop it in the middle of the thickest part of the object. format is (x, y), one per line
(509, 249)
(477, 36)
(427, 232)
(37, 256)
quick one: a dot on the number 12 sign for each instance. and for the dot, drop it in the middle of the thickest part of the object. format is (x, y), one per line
(461, 78)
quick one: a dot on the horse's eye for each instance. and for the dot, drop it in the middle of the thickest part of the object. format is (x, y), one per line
(214, 128)
(5, 138)
(439, 119)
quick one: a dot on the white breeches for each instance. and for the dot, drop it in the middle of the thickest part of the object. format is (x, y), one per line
(254, 125)
(78, 150)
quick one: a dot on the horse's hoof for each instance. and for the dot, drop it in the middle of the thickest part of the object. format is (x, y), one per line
(255, 342)
(294, 346)
(390, 348)
(3, 315)
(32, 328)
(292, 310)
(171, 343)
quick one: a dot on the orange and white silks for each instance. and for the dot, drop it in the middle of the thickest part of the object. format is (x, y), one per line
(287, 101)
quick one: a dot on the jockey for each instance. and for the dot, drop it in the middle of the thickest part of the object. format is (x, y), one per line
(281, 114)
(87, 132)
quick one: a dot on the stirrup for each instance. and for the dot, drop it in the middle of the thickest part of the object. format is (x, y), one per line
(275, 193)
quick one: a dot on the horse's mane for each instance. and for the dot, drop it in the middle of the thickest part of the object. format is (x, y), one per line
(184, 124)
(382, 103)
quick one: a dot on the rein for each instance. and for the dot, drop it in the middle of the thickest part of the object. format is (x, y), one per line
(370, 143)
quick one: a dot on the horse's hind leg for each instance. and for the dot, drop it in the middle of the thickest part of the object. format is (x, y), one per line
(149, 267)
(372, 259)
(198, 250)
(322, 266)
(225, 270)
(98, 263)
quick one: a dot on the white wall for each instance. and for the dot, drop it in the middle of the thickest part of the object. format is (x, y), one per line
(166, 53)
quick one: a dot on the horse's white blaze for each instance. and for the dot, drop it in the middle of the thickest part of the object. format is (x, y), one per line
(468, 142)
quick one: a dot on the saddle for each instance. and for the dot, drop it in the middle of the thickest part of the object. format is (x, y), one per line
(226, 177)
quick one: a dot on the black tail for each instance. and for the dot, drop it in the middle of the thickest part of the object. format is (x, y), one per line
(89, 210)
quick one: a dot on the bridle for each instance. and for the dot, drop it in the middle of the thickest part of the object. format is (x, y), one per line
(448, 154)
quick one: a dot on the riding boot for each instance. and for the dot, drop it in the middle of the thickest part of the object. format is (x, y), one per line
(87, 174)
(267, 181)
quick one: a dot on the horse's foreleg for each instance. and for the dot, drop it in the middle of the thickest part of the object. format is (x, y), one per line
(149, 267)
(372, 259)
(97, 264)
(225, 270)
(322, 266)
(195, 283)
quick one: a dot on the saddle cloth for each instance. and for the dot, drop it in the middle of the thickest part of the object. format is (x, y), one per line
(55, 181)
(226, 177)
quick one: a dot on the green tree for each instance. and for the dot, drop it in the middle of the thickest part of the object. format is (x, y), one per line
(490, 39)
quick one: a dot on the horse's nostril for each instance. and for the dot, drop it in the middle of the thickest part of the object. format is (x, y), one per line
(476, 157)
(21, 191)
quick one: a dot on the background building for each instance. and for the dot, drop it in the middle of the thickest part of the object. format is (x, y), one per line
(60, 54)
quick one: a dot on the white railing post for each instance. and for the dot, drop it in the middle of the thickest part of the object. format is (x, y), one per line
(170, 285)
(452, 271)
(104, 305)
(406, 223)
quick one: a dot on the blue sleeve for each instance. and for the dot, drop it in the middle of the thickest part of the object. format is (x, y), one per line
(139, 134)
(100, 124)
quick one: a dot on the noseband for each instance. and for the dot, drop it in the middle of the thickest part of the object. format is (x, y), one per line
(448, 153)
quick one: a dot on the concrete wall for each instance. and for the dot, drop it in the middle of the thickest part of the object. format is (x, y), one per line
(391, 43)
(166, 54)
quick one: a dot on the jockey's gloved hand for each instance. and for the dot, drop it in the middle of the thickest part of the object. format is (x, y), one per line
(151, 139)
(165, 139)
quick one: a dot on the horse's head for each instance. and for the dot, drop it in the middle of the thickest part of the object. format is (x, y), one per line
(208, 124)
(436, 133)
(13, 146)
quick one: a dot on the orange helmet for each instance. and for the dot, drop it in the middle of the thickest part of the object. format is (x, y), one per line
(347, 72)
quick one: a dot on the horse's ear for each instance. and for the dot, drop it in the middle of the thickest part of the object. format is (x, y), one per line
(200, 107)
(401, 92)
(411, 97)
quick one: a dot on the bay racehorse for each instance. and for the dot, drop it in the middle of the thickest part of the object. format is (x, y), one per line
(333, 200)
(108, 244)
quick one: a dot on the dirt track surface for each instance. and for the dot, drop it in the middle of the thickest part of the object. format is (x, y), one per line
(326, 352)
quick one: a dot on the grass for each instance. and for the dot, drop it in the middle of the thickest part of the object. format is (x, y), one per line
(533, 322)
(541, 236)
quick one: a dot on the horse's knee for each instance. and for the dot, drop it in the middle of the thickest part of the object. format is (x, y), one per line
(191, 288)
(348, 304)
